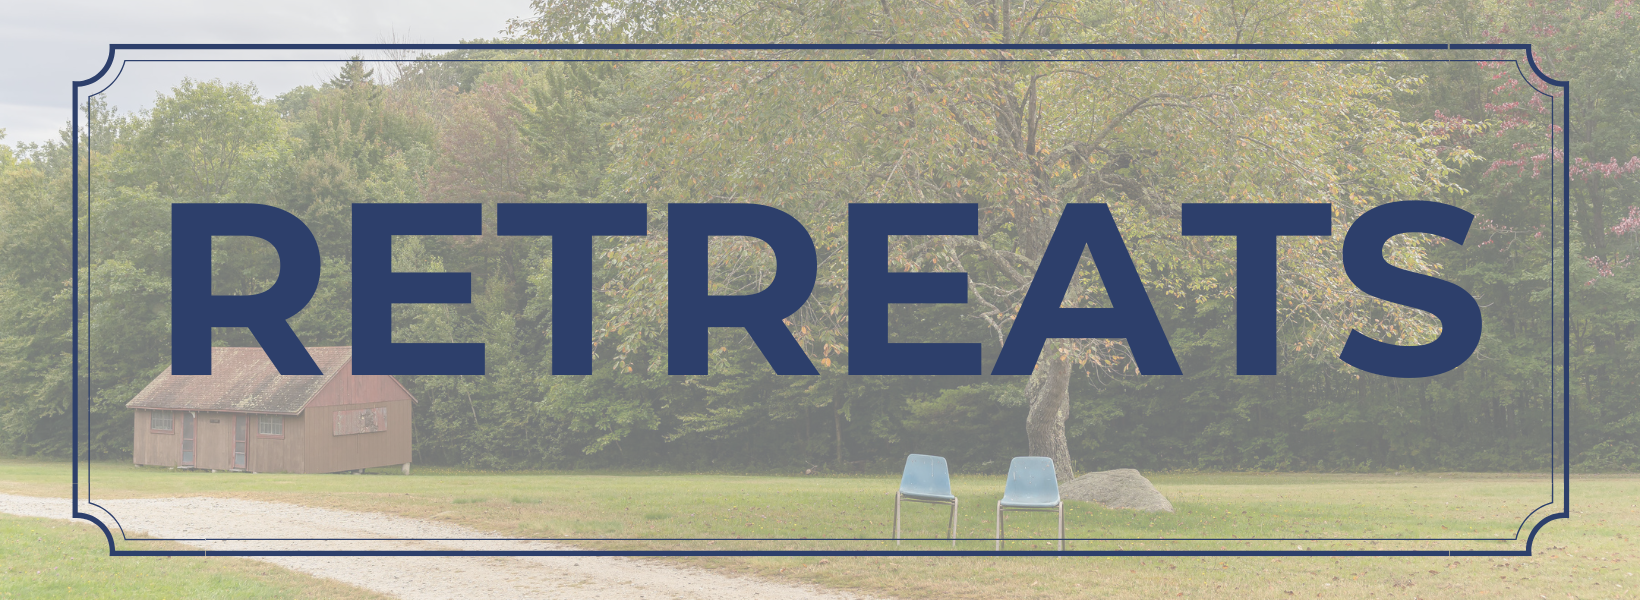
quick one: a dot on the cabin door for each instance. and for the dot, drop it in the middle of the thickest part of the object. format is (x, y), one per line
(240, 423)
(188, 438)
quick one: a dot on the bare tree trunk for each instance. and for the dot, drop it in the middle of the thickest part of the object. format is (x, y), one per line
(1049, 392)
(837, 421)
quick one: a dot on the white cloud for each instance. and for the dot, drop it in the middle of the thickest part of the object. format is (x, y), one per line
(26, 123)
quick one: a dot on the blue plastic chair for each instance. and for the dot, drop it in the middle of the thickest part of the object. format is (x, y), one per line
(1031, 487)
(926, 479)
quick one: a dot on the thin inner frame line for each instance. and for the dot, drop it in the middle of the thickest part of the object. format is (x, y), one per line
(825, 60)
(1448, 47)
(903, 539)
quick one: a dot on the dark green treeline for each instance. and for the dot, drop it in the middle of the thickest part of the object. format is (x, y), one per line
(545, 132)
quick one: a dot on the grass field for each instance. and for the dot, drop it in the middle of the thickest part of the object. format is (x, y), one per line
(1591, 555)
(50, 558)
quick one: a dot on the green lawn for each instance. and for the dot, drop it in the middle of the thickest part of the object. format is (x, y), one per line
(50, 558)
(1589, 555)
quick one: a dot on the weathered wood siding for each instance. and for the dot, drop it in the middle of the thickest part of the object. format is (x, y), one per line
(324, 452)
(157, 449)
(275, 455)
(328, 453)
(346, 388)
(213, 442)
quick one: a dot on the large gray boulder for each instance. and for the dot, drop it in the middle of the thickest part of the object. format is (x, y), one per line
(1118, 488)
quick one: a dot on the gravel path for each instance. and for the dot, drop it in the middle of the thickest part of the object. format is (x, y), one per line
(419, 578)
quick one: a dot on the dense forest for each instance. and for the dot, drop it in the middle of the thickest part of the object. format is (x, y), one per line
(1021, 134)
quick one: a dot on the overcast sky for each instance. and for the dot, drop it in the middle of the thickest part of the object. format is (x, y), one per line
(49, 45)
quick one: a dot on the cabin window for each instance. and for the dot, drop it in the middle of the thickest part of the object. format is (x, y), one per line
(160, 420)
(369, 420)
(270, 425)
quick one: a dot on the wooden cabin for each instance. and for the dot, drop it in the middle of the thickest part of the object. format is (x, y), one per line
(245, 416)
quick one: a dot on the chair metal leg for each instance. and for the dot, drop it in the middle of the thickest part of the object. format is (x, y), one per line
(953, 522)
(999, 527)
(896, 518)
(1061, 527)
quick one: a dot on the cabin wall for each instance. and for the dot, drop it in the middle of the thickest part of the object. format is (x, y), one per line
(325, 452)
(329, 453)
(213, 441)
(270, 454)
(156, 448)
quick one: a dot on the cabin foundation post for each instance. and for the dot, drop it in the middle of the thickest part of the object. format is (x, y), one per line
(406, 468)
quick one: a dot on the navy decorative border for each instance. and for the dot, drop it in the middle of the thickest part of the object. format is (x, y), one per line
(1566, 314)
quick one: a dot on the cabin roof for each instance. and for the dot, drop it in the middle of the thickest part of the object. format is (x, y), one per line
(242, 380)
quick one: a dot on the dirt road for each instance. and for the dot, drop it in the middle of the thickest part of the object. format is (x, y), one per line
(417, 578)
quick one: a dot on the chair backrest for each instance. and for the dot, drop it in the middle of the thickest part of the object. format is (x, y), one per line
(926, 474)
(1031, 479)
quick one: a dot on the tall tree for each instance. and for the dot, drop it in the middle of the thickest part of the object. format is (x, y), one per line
(353, 74)
(1022, 134)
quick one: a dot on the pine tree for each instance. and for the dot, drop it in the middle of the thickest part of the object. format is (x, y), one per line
(353, 75)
